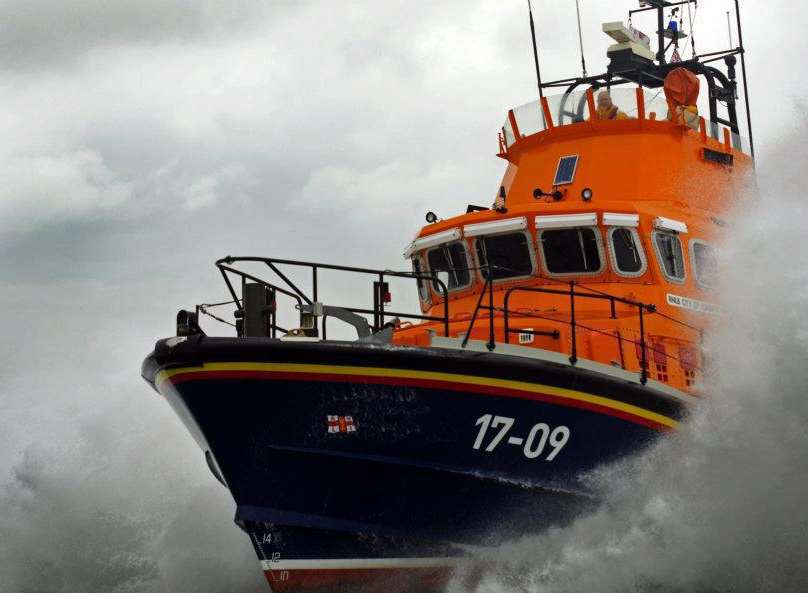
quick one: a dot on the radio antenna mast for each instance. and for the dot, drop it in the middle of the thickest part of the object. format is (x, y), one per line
(692, 31)
(743, 71)
(729, 30)
(535, 50)
(580, 36)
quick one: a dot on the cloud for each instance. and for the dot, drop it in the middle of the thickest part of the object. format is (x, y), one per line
(256, 118)
(45, 189)
(44, 34)
(375, 189)
(78, 187)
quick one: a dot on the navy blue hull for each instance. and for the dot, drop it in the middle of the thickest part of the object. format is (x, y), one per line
(409, 462)
(353, 452)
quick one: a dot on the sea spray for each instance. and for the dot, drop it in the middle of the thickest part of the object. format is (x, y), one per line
(720, 505)
(121, 503)
(124, 503)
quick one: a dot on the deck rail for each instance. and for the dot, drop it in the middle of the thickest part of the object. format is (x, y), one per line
(642, 309)
(379, 312)
(282, 284)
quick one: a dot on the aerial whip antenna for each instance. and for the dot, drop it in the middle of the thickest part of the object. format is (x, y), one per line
(729, 30)
(743, 71)
(692, 32)
(536, 62)
(580, 36)
(535, 51)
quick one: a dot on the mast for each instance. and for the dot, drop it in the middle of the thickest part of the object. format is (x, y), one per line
(660, 6)
(580, 36)
(535, 50)
(743, 73)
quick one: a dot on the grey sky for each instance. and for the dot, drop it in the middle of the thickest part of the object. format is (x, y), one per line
(143, 140)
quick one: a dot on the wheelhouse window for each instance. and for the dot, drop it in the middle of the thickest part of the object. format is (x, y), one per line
(627, 254)
(571, 251)
(669, 252)
(423, 289)
(508, 255)
(450, 258)
(705, 263)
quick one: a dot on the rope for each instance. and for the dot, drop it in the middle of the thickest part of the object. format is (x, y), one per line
(606, 294)
(216, 304)
(204, 311)
(692, 18)
(669, 318)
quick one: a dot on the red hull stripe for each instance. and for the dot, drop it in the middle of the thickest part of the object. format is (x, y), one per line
(372, 580)
(642, 417)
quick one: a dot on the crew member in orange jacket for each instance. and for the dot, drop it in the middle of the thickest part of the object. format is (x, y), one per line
(607, 109)
(682, 94)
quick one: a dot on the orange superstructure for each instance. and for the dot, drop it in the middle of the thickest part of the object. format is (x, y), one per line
(645, 201)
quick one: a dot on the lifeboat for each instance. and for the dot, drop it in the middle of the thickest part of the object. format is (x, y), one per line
(560, 329)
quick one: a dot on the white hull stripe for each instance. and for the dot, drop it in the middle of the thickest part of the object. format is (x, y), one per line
(359, 563)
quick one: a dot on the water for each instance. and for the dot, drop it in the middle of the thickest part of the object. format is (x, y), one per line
(721, 505)
(117, 499)
(114, 495)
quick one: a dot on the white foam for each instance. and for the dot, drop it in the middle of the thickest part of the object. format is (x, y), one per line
(719, 506)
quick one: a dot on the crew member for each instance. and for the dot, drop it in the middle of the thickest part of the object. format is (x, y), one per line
(607, 109)
(686, 114)
(682, 94)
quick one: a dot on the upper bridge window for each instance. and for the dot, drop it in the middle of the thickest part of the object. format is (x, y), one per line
(450, 258)
(423, 289)
(704, 263)
(508, 255)
(669, 252)
(571, 251)
(627, 253)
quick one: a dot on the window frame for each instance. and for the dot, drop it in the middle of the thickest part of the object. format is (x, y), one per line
(533, 266)
(691, 249)
(470, 282)
(661, 260)
(598, 242)
(613, 254)
(426, 301)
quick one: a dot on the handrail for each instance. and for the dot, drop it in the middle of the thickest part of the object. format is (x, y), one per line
(293, 291)
(642, 308)
(379, 312)
(520, 119)
(573, 323)
(488, 286)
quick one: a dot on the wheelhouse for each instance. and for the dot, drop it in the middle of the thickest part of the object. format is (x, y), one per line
(592, 247)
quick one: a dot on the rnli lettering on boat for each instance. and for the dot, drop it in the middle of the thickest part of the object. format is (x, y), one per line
(692, 304)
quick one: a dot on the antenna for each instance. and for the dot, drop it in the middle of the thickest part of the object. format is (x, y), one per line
(729, 30)
(692, 31)
(535, 51)
(743, 71)
(580, 36)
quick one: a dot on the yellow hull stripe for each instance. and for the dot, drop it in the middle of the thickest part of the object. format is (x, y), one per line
(307, 369)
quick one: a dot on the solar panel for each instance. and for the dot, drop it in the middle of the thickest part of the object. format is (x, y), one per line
(565, 172)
